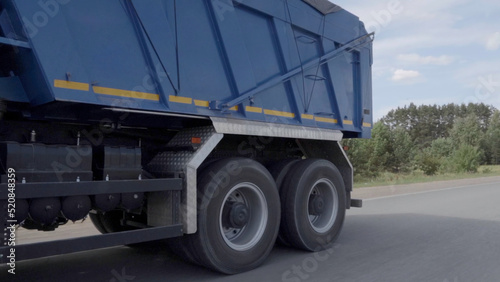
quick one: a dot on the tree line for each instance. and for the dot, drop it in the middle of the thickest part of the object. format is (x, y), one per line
(431, 138)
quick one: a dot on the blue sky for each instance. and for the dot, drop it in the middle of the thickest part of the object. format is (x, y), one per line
(432, 51)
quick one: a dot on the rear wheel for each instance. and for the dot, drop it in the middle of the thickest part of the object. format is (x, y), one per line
(313, 205)
(109, 222)
(238, 217)
(279, 170)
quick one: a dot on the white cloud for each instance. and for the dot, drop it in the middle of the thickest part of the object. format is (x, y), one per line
(493, 42)
(429, 60)
(430, 33)
(402, 75)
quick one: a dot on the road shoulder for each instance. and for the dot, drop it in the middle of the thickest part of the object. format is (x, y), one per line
(394, 190)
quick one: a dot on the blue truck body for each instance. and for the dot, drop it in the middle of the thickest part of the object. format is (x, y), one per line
(213, 124)
(271, 61)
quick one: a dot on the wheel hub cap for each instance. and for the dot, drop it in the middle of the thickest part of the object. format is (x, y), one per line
(238, 215)
(316, 205)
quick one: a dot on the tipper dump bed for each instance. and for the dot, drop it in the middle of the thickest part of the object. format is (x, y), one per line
(215, 125)
(296, 62)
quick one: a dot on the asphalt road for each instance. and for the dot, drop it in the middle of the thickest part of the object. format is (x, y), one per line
(449, 235)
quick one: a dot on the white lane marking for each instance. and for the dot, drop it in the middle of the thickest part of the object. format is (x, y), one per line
(430, 191)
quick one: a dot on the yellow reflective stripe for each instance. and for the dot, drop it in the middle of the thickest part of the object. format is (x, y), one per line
(279, 114)
(201, 103)
(182, 100)
(306, 116)
(365, 124)
(348, 122)
(105, 91)
(125, 93)
(328, 120)
(71, 85)
(206, 104)
(253, 109)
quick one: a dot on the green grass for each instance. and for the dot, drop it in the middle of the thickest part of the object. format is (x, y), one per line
(388, 178)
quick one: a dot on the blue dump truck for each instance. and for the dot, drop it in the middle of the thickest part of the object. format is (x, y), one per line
(212, 125)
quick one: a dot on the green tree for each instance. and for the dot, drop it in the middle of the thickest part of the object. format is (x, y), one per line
(381, 136)
(428, 162)
(466, 131)
(483, 114)
(441, 148)
(402, 148)
(451, 137)
(427, 123)
(360, 153)
(492, 140)
(466, 159)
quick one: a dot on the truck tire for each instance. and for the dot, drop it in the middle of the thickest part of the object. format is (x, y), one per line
(96, 221)
(108, 222)
(238, 216)
(313, 205)
(180, 247)
(279, 170)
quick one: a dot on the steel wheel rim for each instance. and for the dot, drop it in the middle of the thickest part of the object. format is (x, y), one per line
(245, 238)
(326, 189)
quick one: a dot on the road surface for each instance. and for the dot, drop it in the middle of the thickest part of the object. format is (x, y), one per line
(447, 235)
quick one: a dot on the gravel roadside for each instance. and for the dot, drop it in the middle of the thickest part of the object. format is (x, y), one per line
(394, 190)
